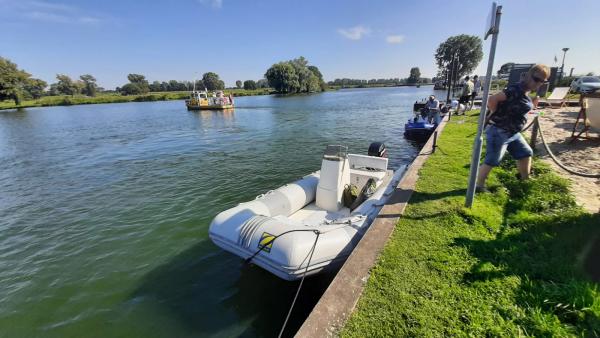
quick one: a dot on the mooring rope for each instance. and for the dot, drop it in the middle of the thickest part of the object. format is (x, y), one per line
(309, 256)
(554, 157)
(529, 125)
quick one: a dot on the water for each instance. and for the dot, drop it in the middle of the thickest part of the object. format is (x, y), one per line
(104, 209)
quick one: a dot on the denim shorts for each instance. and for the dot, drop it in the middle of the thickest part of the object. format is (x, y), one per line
(499, 141)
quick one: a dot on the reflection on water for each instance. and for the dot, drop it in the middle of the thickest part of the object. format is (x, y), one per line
(104, 209)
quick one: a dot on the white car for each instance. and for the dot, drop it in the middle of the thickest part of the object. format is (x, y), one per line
(586, 84)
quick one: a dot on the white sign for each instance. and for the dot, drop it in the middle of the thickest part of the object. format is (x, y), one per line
(490, 22)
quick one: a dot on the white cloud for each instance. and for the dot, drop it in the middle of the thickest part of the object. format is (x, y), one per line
(394, 39)
(88, 20)
(217, 4)
(49, 12)
(47, 16)
(354, 33)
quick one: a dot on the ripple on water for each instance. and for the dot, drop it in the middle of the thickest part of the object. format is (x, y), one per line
(104, 209)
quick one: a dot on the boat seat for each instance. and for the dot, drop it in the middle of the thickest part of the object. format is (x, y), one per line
(359, 177)
(313, 215)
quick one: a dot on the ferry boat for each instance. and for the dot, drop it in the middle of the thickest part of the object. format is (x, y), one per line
(310, 225)
(201, 100)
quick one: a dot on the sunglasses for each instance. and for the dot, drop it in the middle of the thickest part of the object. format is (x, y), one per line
(538, 79)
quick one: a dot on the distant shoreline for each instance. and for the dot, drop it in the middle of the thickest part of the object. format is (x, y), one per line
(68, 100)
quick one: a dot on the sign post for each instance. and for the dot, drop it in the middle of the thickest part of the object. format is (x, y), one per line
(492, 28)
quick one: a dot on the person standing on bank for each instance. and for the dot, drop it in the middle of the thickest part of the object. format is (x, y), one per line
(476, 89)
(465, 95)
(507, 117)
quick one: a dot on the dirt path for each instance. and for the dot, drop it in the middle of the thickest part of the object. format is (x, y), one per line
(581, 155)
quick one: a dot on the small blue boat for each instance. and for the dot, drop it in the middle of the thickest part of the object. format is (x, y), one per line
(419, 130)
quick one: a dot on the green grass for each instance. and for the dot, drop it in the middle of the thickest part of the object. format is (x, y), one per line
(514, 264)
(67, 100)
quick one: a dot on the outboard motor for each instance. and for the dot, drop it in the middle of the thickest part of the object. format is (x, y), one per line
(378, 149)
(334, 176)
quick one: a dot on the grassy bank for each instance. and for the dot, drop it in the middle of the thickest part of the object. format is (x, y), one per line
(67, 100)
(519, 263)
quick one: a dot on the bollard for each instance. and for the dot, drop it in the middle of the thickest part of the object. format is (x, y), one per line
(534, 133)
(434, 142)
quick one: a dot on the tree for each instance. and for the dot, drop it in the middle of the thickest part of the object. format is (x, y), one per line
(238, 84)
(66, 86)
(295, 76)
(321, 83)
(12, 81)
(136, 78)
(249, 85)
(177, 86)
(155, 87)
(212, 81)
(89, 85)
(415, 75)
(34, 88)
(468, 50)
(137, 85)
(131, 89)
(505, 69)
(282, 76)
(262, 83)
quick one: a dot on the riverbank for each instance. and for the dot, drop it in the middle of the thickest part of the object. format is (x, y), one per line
(68, 100)
(521, 262)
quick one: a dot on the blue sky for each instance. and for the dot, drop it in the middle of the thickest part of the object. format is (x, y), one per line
(240, 39)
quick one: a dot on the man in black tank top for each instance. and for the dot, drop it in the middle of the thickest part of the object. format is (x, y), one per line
(508, 115)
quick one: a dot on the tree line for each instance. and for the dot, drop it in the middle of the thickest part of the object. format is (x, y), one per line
(18, 85)
(413, 79)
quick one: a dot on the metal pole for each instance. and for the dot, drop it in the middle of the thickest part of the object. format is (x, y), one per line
(479, 138)
(449, 82)
(562, 68)
(456, 78)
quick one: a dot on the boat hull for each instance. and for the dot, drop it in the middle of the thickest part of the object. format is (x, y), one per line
(210, 107)
(290, 217)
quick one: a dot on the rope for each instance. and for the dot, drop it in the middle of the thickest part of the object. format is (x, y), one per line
(529, 126)
(310, 254)
(556, 160)
(274, 238)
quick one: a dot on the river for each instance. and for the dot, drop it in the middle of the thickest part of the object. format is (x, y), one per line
(104, 209)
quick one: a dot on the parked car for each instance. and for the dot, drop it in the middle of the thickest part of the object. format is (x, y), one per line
(586, 84)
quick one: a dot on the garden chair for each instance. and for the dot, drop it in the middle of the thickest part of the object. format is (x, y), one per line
(589, 116)
(558, 95)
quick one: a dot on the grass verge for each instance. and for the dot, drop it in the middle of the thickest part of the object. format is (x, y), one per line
(520, 262)
(68, 100)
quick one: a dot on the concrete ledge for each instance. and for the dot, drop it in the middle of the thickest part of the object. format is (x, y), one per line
(340, 298)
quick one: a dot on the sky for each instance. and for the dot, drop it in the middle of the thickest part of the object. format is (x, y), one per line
(241, 39)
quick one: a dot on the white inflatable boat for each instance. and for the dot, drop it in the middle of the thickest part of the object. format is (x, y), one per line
(304, 227)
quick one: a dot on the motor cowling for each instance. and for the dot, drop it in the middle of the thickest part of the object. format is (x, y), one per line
(377, 149)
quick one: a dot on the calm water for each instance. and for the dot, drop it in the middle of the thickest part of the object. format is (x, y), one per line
(104, 209)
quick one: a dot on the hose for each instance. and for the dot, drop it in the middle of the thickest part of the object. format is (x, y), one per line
(571, 171)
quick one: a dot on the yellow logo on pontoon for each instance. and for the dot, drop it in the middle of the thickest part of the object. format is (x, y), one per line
(266, 241)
